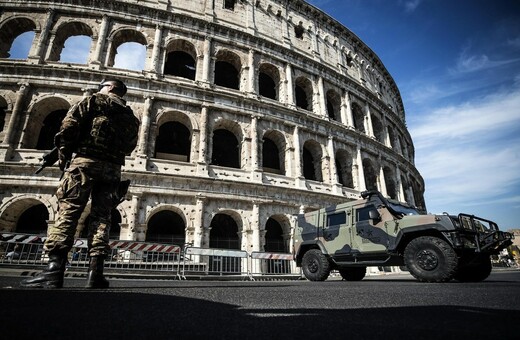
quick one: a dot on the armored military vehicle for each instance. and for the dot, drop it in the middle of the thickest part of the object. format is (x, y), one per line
(376, 231)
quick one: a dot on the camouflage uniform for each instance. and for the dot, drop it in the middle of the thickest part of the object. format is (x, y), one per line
(100, 130)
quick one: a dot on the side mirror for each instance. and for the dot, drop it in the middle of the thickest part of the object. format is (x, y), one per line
(374, 215)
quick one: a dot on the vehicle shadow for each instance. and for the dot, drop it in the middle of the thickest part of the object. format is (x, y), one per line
(83, 314)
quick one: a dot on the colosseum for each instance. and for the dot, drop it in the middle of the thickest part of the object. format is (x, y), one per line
(251, 111)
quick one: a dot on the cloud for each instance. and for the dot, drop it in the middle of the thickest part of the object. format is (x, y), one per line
(411, 6)
(471, 151)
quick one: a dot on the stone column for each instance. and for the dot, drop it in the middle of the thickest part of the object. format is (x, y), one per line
(133, 220)
(10, 132)
(333, 169)
(39, 49)
(202, 162)
(321, 98)
(200, 238)
(156, 52)
(290, 86)
(251, 24)
(144, 133)
(382, 181)
(251, 73)
(255, 228)
(255, 161)
(361, 172)
(348, 111)
(298, 171)
(207, 60)
(100, 44)
(368, 125)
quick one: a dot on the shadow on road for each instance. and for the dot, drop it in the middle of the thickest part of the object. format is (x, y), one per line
(80, 314)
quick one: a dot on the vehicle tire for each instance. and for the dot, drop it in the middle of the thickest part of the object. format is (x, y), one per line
(353, 273)
(475, 271)
(430, 259)
(315, 265)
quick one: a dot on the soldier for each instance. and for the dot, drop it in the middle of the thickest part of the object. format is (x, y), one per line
(94, 138)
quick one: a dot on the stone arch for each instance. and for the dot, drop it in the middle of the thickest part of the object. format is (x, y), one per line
(371, 177)
(12, 209)
(333, 103)
(344, 168)
(52, 107)
(226, 144)
(391, 185)
(173, 138)
(166, 224)
(228, 68)
(225, 230)
(359, 118)
(312, 155)
(120, 37)
(273, 152)
(405, 184)
(180, 59)
(64, 32)
(392, 138)
(417, 189)
(10, 29)
(277, 234)
(269, 81)
(377, 127)
(4, 106)
(304, 93)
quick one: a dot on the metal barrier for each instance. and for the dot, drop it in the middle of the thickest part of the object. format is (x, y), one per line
(263, 265)
(26, 251)
(221, 262)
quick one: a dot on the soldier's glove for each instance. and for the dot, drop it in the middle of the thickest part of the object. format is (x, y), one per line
(64, 157)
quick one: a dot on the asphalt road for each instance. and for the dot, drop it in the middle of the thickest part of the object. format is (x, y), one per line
(388, 307)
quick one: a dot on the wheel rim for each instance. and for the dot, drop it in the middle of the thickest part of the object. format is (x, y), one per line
(313, 266)
(427, 260)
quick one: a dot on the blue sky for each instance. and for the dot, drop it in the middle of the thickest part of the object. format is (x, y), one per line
(457, 66)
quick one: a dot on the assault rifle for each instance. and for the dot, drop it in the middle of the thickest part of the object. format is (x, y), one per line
(52, 157)
(48, 159)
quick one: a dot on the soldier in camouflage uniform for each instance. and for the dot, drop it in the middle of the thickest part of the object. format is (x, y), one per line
(99, 131)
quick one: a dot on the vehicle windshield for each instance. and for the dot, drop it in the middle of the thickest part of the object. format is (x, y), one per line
(403, 209)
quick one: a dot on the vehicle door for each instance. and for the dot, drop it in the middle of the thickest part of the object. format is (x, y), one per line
(336, 235)
(368, 232)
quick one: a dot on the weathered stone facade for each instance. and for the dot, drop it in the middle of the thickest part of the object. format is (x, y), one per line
(285, 110)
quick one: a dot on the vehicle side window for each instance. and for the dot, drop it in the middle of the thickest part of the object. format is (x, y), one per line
(362, 213)
(336, 219)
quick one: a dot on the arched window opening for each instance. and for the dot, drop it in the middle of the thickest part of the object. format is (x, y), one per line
(344, 169)
(377, 126)
(71, 43)
(229, 4)
(391, 136)
(115, 226)
(299, 30)
(370, 175)
(312, 161)
(226, 75)
(274, 241)
(173, 142)
(271, 156)
(76, 50)
(418, 195)
(180, 64)
(333, 105)
(33, 220)
(166, 227)
(267, 86)
(303, 92)
(224, 232)
(404, 183)
(301, 98)
(391, 188)
(3, 107)
(226, 150)
(16, 37)
(130, 56)
(359, 118)
(51, 126)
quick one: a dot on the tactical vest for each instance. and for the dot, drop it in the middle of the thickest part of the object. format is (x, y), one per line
(109, 129)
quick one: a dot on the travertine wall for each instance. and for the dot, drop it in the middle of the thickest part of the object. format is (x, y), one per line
(353, 127)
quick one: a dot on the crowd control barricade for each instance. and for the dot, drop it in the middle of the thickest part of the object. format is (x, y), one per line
(218, 262)
(21, 250)
(273, 265)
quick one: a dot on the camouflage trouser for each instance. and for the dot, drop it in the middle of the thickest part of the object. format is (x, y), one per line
(84, 179)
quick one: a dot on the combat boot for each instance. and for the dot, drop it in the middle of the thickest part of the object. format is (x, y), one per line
(95, 278)
(50, 277)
